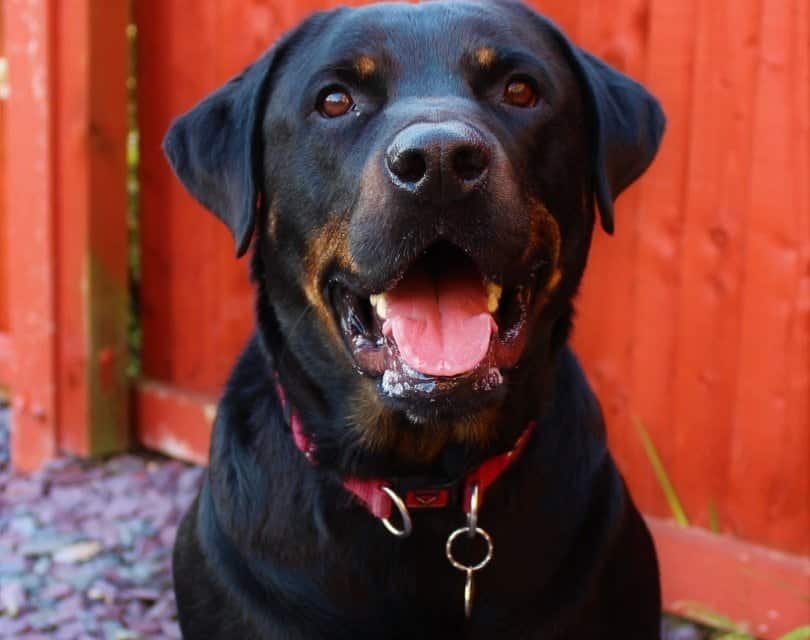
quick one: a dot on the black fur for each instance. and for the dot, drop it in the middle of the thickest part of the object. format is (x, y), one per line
(274, 547)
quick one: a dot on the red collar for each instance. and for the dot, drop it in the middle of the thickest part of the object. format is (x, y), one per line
(372, 491)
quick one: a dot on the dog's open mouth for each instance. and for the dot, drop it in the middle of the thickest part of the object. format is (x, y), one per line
(439, 327)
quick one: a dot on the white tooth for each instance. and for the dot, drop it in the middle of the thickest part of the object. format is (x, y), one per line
(379, 303)
(493, 296)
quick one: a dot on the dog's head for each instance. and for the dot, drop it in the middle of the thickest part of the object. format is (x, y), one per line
(421, 181)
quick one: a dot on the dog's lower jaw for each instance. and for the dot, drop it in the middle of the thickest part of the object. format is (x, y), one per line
(366, 435)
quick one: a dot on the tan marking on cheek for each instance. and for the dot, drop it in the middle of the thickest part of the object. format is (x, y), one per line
(485, 56)
(329, 244)
(272, 221)
(544, 231)
(365, 66)
(554, 280)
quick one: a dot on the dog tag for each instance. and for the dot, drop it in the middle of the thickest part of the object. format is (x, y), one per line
(468, 594)
(468, 569)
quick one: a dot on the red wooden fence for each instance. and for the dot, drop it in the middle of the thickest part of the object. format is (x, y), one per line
(5, 342)
(694, 317)
(64, 269)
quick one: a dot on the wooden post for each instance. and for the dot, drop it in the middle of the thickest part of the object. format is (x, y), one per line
(66, 208)
(29, 197)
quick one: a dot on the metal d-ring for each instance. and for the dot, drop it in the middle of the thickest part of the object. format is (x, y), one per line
(468, 569)
(472, 516)
(472, 567)
(407, 525)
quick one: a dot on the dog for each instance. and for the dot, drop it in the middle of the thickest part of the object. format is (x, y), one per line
(407, 446)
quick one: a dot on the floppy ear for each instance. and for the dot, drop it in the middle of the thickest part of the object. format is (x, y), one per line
(216, 148)
(627, 124)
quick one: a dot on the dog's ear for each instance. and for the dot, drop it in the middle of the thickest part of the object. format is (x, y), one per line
(627, 124)
(216, 148)
(626, 121)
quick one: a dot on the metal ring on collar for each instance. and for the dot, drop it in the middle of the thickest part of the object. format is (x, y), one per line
(472, 516)
(407, 525)
(473, 567)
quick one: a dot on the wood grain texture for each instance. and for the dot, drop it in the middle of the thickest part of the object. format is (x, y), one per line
(694, 317)
(4, 266)
(91, 234)
(29, 41)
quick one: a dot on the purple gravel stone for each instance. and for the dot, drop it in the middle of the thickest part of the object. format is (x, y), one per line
(102, 590)
(164, 608)
(150, 595)
(12, 598)
(121, 506)
(190, 479)
(171, 630)
(70, 631)
(55, 591)
(146, 627)
(11, 628)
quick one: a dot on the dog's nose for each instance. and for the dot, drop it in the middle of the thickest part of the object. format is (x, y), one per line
(439, 162)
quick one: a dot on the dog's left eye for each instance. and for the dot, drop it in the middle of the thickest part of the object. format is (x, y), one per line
(520, 92)
(334, 102)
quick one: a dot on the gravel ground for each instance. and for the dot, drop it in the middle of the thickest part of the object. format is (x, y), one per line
(85, 548)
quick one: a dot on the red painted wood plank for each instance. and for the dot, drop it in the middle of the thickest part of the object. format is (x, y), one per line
(604, 332)
(92, 300)
(766, 590)
(4, 266)
(717, 155)
(6, 360)
(655, 269)
(191, 333)
(766, 457)
(29, 40)
(798, 373)
(174, 421)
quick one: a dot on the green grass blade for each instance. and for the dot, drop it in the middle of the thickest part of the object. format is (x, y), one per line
(708, 617)
(661, 475)
(802, 633)
(714, 518)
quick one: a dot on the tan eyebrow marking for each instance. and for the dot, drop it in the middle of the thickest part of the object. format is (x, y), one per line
(365, 66)
(485, 56)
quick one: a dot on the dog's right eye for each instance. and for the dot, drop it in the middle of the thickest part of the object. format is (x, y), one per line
(334, 102)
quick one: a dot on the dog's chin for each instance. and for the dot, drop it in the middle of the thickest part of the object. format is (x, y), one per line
(427, 385)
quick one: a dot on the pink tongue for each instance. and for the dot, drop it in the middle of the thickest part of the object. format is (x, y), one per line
(441, 326)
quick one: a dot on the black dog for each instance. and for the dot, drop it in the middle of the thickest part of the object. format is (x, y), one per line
(421, 182)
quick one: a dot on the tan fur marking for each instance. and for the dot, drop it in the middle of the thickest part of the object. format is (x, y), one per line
(272, 221)
(381, 430)
(553, 281)
(329, 243)
(485, 56)
(544, 230)
(365, 66)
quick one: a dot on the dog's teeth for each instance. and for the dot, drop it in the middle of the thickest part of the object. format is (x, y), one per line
(493, 296)
(380, 304)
